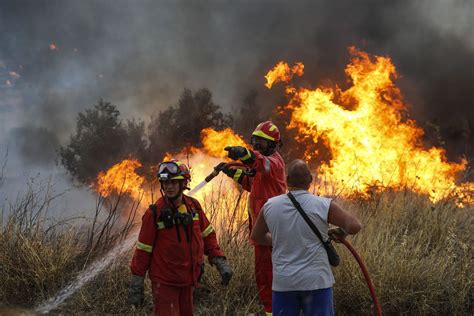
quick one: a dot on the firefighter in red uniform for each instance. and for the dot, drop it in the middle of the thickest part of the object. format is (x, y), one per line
(269, 181)
(174, 236)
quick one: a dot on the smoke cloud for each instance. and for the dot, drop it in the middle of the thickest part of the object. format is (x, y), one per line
(59, 57)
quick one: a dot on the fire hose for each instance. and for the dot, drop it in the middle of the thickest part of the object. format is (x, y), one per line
(245, 170)
(220, 167)
(364, 270)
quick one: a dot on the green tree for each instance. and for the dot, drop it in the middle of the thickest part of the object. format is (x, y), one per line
(180, 125)
(101, 140)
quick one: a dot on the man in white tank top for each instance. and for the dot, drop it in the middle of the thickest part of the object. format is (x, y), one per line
(302, 276)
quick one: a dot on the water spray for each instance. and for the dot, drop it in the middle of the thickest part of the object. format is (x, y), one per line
(86, 275)
(94, 269)
(201, 184)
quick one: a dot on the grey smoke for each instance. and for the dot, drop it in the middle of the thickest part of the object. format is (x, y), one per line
(140, 55)
(37, 145)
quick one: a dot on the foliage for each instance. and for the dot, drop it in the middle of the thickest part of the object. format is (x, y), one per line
(180, 125)
(101, 139)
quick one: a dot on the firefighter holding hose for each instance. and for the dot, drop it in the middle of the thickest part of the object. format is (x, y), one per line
(269, 181)
(174, 237)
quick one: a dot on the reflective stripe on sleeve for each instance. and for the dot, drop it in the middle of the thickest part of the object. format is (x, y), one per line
(207, 231)
(237, 175)
(196, 217)
(144, 247)
(246, 156)
(266, 165)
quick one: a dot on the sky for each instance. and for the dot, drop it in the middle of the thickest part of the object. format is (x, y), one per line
(58, 58)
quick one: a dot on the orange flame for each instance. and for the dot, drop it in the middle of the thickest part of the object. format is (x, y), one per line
(201, 164)
(215, 141)
(370, 144)
(203, 161)
(465, 194)
(121, 178)
(283, 72)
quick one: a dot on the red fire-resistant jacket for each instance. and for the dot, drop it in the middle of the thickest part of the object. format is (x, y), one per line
(269, 181)
(167, 260)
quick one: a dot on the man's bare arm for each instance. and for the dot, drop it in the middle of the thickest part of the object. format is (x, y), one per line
(341, 218)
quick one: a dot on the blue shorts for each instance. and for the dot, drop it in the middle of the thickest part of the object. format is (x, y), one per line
(312, 303)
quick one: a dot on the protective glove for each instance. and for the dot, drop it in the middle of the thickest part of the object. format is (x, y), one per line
(228, 171)
(223, 167)
(136, 291)
(236, 152)
(337, 232)
(224, 269)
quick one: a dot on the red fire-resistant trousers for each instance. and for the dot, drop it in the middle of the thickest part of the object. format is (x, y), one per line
(264, 276)
(172, 300)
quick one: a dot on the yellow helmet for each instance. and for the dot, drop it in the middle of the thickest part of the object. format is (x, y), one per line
(173, 170)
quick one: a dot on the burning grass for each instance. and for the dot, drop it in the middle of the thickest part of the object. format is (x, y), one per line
(418, 253)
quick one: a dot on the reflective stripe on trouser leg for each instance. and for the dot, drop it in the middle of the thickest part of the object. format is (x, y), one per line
(263, 275)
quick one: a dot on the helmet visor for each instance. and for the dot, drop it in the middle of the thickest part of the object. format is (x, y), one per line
(167, 170)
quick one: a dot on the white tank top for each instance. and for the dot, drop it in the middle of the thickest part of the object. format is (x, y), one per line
(300, 262)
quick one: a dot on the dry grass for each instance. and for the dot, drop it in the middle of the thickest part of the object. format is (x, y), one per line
(36, 257)
(419, 256)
